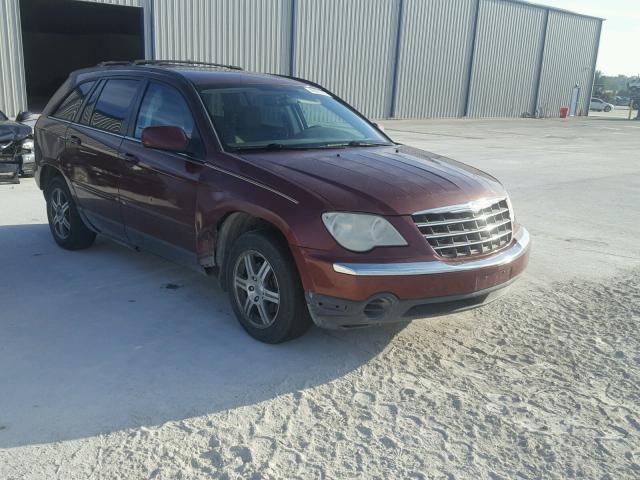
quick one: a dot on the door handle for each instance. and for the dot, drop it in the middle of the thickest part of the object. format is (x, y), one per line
(75, 140)
(130, 158)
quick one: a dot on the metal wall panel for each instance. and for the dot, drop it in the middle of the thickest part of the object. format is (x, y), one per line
(509, 43)
(13, 95)
(435, 49)
(348, 47)
(254, 35)
(569, 57)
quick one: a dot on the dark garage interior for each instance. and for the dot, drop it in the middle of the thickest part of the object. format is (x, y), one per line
(64, 35)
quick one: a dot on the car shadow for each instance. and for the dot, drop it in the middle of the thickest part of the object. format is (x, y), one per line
(107, 339)
(4, 180)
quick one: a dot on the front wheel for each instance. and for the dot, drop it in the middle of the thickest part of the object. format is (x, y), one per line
(265, 289)
(607, 108)
(67, 228)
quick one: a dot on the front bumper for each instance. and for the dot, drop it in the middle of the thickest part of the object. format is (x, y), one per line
(28, 163)
(9, 165)
(357, 294)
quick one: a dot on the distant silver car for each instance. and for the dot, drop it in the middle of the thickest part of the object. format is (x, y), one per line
(600, 105)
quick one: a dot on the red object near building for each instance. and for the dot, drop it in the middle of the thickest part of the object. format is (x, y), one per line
(563, 112)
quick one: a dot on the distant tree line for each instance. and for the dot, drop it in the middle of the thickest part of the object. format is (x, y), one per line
(608, 87)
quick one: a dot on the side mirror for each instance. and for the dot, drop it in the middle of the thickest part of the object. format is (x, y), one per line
(379, 126)
(168, 138)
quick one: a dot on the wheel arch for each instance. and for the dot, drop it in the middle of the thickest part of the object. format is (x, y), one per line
(237, 222)
(47, 172)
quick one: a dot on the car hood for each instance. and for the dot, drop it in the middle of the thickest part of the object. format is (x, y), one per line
(394, 180)
(12, 131)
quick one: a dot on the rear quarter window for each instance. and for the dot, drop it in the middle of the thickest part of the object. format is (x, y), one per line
(69, 107)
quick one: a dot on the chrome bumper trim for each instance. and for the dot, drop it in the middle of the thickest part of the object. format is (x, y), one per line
(508, 255)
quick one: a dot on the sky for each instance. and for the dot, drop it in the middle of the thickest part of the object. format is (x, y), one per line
(619, 51)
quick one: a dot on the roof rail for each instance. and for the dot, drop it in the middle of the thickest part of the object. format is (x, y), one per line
(114, 62)
(185, 62)
(166, 63)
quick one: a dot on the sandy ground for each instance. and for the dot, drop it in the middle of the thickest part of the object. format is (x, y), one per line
(107, 373)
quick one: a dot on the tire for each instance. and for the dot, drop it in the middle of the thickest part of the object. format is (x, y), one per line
(266, 297)
(67, 228)
(607, 108)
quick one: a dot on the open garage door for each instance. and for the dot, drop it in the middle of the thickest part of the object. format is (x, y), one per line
(64, 35)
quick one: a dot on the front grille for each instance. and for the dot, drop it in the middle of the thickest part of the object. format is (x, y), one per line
(8, 150)
(466, 230)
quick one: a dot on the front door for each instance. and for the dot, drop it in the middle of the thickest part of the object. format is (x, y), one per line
(158, 189)
(92, 160)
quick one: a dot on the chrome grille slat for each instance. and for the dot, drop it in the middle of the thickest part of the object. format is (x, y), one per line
(464, 244)
(466, 219)
(467, 230)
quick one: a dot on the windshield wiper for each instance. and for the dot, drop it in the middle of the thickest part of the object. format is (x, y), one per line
(270, 146)
(358, 143)
(284, 146)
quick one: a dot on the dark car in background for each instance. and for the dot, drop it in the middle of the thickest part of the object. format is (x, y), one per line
(26, 155)
(304, 209)
(622, 101)
(16, 147)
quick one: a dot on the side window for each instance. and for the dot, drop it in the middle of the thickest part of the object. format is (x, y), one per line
(85, 117)
(164, 106)
(69, 107)
(113, 105)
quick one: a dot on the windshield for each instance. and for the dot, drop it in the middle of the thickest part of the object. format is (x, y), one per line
(285, 117)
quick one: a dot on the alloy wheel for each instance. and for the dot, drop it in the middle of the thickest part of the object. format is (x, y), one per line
(256, 289)
(60, 213)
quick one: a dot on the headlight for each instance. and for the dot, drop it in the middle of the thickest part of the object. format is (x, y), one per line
(27, 144)
(361, 232)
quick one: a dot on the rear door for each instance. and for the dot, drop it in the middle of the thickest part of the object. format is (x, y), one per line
(92, 161)
(159, 188)
(50, 132)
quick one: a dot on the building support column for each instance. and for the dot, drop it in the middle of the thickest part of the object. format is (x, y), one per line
(292, 38)
(593, 70)
(396, 60)
(472, 55)
(540, 64)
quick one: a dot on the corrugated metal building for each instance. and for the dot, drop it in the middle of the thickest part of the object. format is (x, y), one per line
(389, 58)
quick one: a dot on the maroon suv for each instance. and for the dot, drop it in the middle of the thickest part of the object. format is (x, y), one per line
(304, 209)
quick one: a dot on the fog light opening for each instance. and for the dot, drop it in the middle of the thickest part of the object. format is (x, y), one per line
(377, 308)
